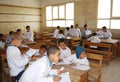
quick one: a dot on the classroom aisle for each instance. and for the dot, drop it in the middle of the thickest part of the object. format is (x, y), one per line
(111, 73)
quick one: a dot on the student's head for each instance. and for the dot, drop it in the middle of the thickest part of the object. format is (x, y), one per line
(67, 28)
(28, 28)
(71, 26)
(80, 52)
(16, 39)
(62, 43)
(19, 31)
(2, 37)
(58, 27)
(85, 26)
(11, 32)
(76, 25)
(53, 53)
(60, 31)
(104, 29)
(43, 49)
(94, 34)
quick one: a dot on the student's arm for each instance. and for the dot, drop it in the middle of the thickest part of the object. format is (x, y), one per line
(83, 61)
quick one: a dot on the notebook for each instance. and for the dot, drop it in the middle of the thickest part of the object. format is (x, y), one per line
(31, 52)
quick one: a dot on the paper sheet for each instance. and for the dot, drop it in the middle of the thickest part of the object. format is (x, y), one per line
(65, 77)
(31, 52)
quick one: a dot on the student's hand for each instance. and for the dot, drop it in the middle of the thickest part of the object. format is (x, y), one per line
(73, 64)
(59, 71)
(56, 78)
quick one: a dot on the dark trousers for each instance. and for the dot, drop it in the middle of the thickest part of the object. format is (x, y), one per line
(16, 78)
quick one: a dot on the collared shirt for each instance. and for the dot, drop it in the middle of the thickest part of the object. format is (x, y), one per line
(28, 36)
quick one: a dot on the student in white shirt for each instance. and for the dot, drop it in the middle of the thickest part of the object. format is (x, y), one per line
(78, 30)
(40, 70)
(56, 31)
(65, 51)
(94, 38)
(8, 39)
(28, 35)
(2, 43)
(60, 34)
(81, 62)
(106, 33)
(73, 32)
(85, 32)
(67, 32)
(16, 61)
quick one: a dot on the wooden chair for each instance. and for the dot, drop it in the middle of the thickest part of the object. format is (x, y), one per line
(75, 41)
(96, 66)
(105, 49)
(5, 74)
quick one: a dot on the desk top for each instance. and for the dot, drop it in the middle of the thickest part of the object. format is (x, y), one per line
(75, 75)
(112, 41)
(28, 42)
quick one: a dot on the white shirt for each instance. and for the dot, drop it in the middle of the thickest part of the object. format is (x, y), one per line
(60, 36)
(65, 53)
(73, 32)
(39, 71)
(28, 36)
(55, 33)
(67, 33)
(78, 32)
(107, 34)
(2, 45)
(16, 61)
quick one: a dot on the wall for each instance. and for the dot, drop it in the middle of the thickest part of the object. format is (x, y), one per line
(16, 14)
(85, 13)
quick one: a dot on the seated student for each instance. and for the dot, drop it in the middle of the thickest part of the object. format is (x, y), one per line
(67, 32)
(65, 51)
(81, 62)
(106, 33)
(56, 31)
(16, 61)
(78, 30)
(40, 70)
(41, 52)
(94, 38)
(60, 34)
(2, 39)
(28, 35)
(8, 39)
(73, 32)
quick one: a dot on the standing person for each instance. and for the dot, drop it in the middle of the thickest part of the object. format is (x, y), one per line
(40, 70)
(28, 35)
(16, 61)
(86, 32)
(106, 33)
(78, 30)
(56, 31)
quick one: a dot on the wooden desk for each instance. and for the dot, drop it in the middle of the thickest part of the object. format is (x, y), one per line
(28, 42)
(114, 43)
(75, 75)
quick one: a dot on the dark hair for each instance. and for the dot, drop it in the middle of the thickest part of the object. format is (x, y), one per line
(85, 25)
(76, 25)
(52, 50)
(104, 27)
(62, 40)
(61, 31)
(67, 28)
(1, 36)
(94, 34)
(27, 27)
(71, 26)
(58, 27)
(11, 32)
(18, 30)
(43, 46)
(17, 36)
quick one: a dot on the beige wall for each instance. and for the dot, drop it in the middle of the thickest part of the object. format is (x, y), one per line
(16, 14)
(85, 13)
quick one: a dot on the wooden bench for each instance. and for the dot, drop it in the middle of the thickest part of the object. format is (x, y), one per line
(96, 66)
(105, 49)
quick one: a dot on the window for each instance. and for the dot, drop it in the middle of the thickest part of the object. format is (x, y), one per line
(108, 14)
(60, 15)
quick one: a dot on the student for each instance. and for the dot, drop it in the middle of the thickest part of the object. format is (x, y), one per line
(73, 32)
(60, 34)
(40, 70)
(28, 35)
(78, 30)
(8, 39)
(85, 32)
(16, 61)
(67, 32)
(81, 62)
(65, 51)
(106, 33)
(56, 31)
(94, 38)
(2, 41)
